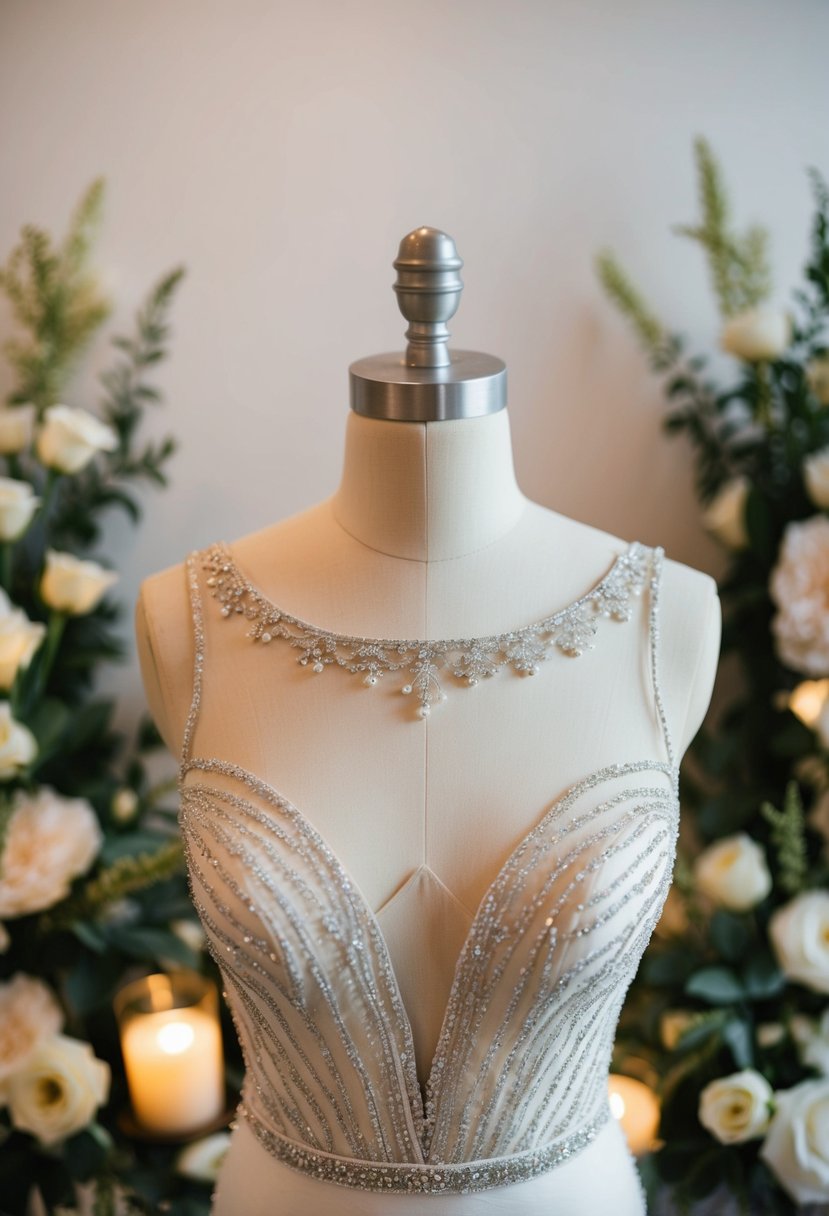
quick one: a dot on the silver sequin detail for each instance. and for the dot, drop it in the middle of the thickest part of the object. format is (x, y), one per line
(518, 1083)
(571, 631)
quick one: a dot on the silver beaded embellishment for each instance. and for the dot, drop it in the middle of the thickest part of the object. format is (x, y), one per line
(518, 1082)
(571, 630)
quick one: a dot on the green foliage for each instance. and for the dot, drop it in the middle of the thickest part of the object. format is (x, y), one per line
(115, 922)
(739, 268)
(788, 835)
(720, 970)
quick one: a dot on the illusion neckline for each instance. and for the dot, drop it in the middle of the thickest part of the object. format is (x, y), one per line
(631, 549)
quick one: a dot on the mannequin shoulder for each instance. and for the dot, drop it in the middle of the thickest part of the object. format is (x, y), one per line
(165, 643)
(690, 622)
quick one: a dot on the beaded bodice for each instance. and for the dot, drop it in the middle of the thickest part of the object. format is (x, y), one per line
(518, 1082)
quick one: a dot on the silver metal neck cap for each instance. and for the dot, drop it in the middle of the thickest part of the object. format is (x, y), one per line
(428, 382)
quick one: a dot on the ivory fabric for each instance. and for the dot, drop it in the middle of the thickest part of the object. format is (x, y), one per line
(342, 1029)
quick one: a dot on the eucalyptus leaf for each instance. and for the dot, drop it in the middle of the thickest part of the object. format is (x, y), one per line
(716, 985)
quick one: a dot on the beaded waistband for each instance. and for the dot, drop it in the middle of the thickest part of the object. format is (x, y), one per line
(429, 1179)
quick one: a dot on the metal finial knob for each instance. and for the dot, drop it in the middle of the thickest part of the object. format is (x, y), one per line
(428, 382)
(428, 289)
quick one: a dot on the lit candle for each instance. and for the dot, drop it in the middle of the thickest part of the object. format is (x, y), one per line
(808, 700)
(637, 1109)
(172, 1048)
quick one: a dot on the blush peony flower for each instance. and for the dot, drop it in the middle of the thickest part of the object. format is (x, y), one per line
(28, 1013)
(737, 1107)
(797, 1144)
(58, 1090)
(799, 587)
(733, 872)
(49, 841)
(799, 933)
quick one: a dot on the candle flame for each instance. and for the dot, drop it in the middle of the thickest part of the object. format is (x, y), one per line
(175, 1037)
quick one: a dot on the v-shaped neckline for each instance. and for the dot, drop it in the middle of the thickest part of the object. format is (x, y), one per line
(406, 1059)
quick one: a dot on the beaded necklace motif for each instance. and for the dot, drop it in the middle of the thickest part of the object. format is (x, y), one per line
(518, 1082)
(571, 630)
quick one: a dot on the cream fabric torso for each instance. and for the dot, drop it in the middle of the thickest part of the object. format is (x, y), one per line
(423, 815)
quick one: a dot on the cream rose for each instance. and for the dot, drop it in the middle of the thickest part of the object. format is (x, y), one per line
(19, 639)
(799, 586)
(812, 1038)
(29, 1012)
(733, 872)
(58, 1090)
(737, 1107)
(799, 933)
(202, 1158)
(816, 477)
(69, 437)
(724, 517)
(18, 503)
(18, 746)
(797, 1144)
(757, 333)
(817, 377)
(16, 427)
(72, 585)
(49, 841)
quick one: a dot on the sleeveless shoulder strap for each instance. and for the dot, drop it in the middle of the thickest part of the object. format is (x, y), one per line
(191, 567)
(657, 556)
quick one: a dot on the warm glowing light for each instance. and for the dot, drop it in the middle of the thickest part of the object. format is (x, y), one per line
(175, 1037)
(808, 699)
(637, 1109)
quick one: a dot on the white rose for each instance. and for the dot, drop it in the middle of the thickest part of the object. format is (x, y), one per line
(29, 1012)
(799, 933)
(18, 746)
(124, 804)
(69, 437)
(814, 1044)
(737, 1107)
(724, 517)
(190, 932)
(816, 477)
(757, 333)
(19, 639)
(733, 872)
(817, 377)
(58, 1090)
(797, 1144)
(18, 503)
(49, 841)
(72, 585)
(16, 427)
(202, 1158)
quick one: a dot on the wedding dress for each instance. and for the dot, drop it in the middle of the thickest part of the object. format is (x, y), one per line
(517, 1087)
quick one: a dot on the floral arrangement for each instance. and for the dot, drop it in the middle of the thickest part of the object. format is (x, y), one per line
(92, 886)
(730, 1010)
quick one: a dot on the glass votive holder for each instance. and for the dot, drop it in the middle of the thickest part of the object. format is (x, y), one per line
(171, 1042)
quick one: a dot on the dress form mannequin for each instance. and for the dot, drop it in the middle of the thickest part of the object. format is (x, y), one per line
(427, 536)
